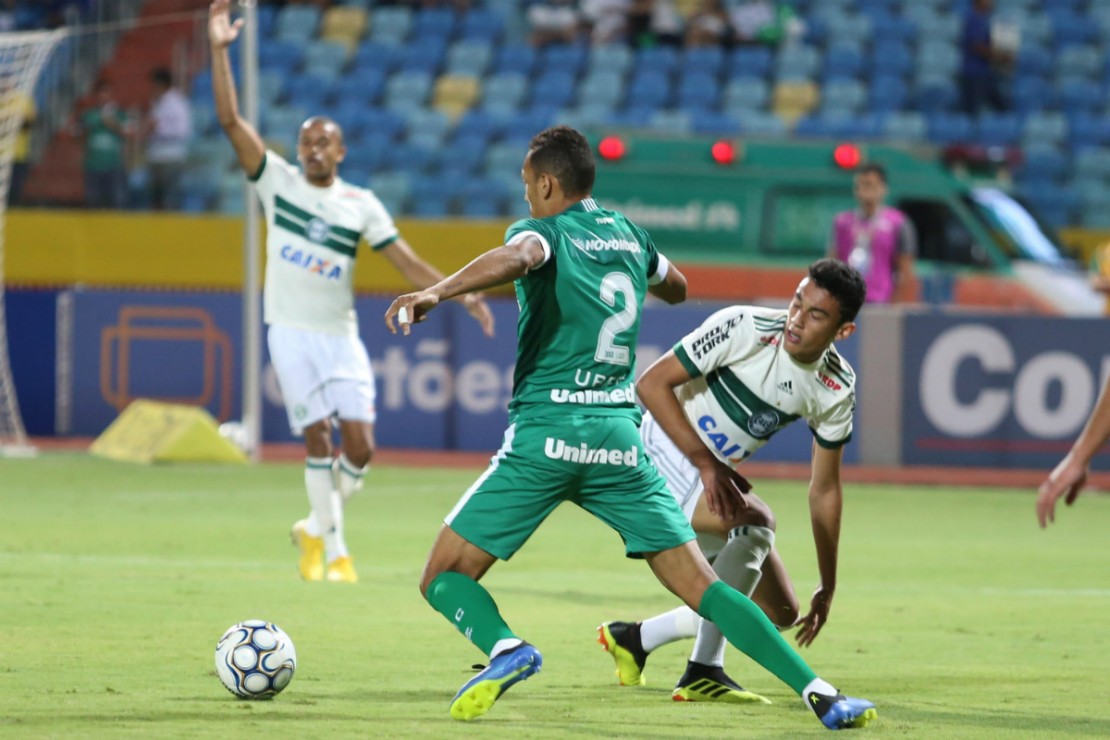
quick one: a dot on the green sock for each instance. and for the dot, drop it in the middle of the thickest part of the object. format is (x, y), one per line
(746, 626)
(469, 607)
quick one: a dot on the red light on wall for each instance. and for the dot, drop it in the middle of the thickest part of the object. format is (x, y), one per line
(611, 148)
(847, 156)
(723, 152)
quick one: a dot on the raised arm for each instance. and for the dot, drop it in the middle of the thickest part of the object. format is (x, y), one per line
(826, 502)
(496, 267)
(244, 139)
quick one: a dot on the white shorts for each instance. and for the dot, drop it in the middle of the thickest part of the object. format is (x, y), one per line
(321, 376)
(682, 477)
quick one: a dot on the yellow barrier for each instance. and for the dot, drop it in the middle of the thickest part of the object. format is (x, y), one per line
(46, 248)
(149, 431)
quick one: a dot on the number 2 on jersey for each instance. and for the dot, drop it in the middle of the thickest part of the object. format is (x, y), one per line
(608, 351)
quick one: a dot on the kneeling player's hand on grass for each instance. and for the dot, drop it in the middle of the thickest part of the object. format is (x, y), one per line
(409, 309)
(477, 307)
(810, 625)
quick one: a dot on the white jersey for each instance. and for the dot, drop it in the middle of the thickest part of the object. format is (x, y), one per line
(312, 235)
(745, 386)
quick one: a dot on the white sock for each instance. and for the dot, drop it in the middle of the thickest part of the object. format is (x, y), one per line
(819, 687)
(348, 478)
(502, 645)
(677, 624)
(312, 525)
(327, 507)
(739, 564)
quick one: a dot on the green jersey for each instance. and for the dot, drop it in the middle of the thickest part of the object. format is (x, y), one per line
(580, 311)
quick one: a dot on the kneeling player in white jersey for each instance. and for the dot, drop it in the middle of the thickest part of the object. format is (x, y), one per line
(314, 222)
(712, 401)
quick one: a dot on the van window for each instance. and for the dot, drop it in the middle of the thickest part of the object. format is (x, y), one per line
(941, 235)
(797, 220)
(1014, 228)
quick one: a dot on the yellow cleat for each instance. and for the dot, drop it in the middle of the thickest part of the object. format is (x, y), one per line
(342, 570)
(711, 683)
(311, 563)
(622, 641)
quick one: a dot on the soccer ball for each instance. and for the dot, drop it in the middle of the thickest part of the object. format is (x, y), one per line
(255, 659)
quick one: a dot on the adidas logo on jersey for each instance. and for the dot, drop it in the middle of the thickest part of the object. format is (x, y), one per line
(787, 387)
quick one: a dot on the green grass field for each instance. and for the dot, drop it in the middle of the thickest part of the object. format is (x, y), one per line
(954, 613)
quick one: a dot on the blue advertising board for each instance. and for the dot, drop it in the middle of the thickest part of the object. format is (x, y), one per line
(999, 391)
(446, 386)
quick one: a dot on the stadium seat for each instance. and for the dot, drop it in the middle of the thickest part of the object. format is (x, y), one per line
(465, 154)
(709, 123)
(1045, 128)
(563, 59)
(435, 23)
(297, 23)
(454, 95)
(938, 58)
(675, 122)
(523, 126)
(847, 95)
(656, 59)
(505, 158)
(1080, 61)
(650, 89)
(211, 151)
(935, 95)
(281, 56)
(993, 129)
(390, 24)
(792, 100)
(888, 94)
(469, 58)
(1032, 60)
(746, 93)
(309, 91)
(889, 59)
(905, 126)
(376, 56)
(427, 125)
(1043, 163)
(392, 185)
(481, 123)
(843, 62)
(407, 90)
(750, 62)
(515, 59)
(366, 85)
(423, 54)
(407, 157)
(283, 120)
(1080, 95)
(325, 59)
(601, 88)
(797, 63)
(1088, 129)
(1069, 28)
(1092, 163)
(610, 58)
(556, 88)
(344, 24)
(699, 91)
(1031, 94)
(708, 60)
(482, 24)
(851, 29)
(894, 29)
(949, 128)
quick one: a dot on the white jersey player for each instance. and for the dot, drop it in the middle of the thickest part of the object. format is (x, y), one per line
(712, 401)
(315, 222)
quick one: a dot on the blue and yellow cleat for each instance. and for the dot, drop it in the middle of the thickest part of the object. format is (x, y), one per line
(479, 693)
(842, 712)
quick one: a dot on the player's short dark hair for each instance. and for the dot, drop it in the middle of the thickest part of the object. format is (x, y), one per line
(872, 168)
(162, 76)
(563, 153)
(843, 282)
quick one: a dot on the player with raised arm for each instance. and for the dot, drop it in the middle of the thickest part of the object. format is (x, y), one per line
(712, 401)
(581, 273)
(314, 222)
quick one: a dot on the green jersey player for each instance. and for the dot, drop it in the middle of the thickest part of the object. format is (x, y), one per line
(314, 222)
(713, 401)
(581, 274)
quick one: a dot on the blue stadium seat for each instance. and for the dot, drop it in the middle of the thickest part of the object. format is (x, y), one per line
(267, 21)
(843, 62)
(659, 59)
(1088, 129)
(611, 58)
(935, 95)
(746, 93)
(391, 185)
(424, 54)
(481, 123)
(485, 24)
(466, 154)
(377, 57)
(797, 63)
(1046, 128)
(750, 62)
(844, 94)
(283, 120)
(1044, 163)
(366, 85)
(1032, 60)
(516, 59)
(382, 123)
(949, 128)
(1031, 94)
(998, 130)
(1070, 28)
(849, 28)
(905, 126)
(893, 29)
(505, 158)
(563, 58)
(505, 90)
(390, 24)
(891, 59)
(674, 122)
(281, 56)
(351, 115)
(1091, 162)
(1080, 61)
(297, 23)
(938, 58)
(435, 23)
(699, 92)
(325, 59)
(407, 157)
(707, 60)
(309, 91)
(820, 127)
(407, 90)
(525, 125)
(601, 87)
(1080, 95)
(556, 88)
(760, 123)
(428, 125)
(710, 123)
(649, 90)
(470, 58)
(888, 94)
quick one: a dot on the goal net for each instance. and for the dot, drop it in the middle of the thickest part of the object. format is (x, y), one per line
(22, 56)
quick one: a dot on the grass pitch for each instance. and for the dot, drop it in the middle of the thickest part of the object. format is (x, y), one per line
(953, 613)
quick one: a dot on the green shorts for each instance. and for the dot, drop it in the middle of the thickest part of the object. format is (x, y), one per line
(597, 462)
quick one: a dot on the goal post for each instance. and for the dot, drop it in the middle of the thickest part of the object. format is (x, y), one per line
(22, 57)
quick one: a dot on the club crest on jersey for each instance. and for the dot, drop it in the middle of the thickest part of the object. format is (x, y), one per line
(763, 423)
(312, 263)
(317, 230)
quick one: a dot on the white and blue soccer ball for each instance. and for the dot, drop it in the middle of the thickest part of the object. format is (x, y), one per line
(255, 659)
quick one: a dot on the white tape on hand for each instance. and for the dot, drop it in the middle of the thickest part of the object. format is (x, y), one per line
(403, 315)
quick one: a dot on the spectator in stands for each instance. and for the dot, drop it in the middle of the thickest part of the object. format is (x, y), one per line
(764, 22)
(980, 73)
(654, 23)
(607, 20)
(554, 22)
(708, 25)
(7, 16)
(169, 127)
(876, 239)
(103, 127)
